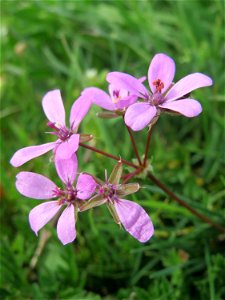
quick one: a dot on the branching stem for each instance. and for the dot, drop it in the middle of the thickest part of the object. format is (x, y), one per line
(125, 162)
(131, 175)
(139, 169)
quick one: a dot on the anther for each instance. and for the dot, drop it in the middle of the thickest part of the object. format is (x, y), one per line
(159, 85)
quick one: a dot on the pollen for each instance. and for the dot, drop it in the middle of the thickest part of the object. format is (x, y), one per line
(159, 85)
(116, 96)
(115, 100)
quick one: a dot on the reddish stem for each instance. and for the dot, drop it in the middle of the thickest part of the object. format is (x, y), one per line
(134, 145)
(147, 146)
(157, 182)
(131, 175)
(125, 162)
(184, 204)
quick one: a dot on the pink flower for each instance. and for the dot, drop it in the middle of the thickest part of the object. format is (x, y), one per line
(118, 98)
(128, 213)
(163, 96)
(68, 139)
(37, 186)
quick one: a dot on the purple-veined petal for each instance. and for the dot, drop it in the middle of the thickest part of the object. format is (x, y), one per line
(86, 186)
(187, 84)
(53, 107)
(161, 67)
(78, 111)
(66, 230)
(127, 82)
(139, 115)
(42, 214)
(98, 97)
(134, 219)
(23, 155)
(66, 168)
(68, 147)
(35, 186)
(187, 107)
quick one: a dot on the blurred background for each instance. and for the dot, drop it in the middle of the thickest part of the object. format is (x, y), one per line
(71, 45)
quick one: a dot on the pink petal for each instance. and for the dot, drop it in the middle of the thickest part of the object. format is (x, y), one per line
(142, 79)
(127, 82)
(122, 93)
(34, 185)
(66, 226)
(161, 67)
(78, 111)
(187, 107)
(42, 214)
(187, 84)
(86, 186)
(25, 154)
(98, 97)
(134, 219)
(68, 147)
(53, 107)
(66, 168)
(126, 102)
(122, 99)
(139, 115)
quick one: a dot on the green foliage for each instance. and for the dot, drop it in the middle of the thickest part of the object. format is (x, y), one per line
(71, 45)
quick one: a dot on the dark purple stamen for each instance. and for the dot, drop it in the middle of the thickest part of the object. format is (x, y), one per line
(156, 99)
(116, 93)
(61, 132)
(69, 195)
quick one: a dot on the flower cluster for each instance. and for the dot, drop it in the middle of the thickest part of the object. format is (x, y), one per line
(139, 107)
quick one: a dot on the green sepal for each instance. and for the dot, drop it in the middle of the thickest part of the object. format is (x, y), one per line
(97, 180)
(113, 212)
(116, 174)
(93, 202)
(127, 189)
(76, 210)
(85, 137)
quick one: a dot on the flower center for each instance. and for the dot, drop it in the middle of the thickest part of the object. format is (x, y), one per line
(67, 196)
(61, 132)
(108, 191)
(159, 85)
(156, 99)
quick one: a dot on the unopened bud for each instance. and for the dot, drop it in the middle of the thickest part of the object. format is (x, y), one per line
(85, 137)
(107, 115)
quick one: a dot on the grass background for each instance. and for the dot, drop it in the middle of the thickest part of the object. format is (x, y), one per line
(71, 45)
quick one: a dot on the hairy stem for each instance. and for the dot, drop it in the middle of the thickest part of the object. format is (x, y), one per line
(125, 162)
(131, 175)
(184, 204)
